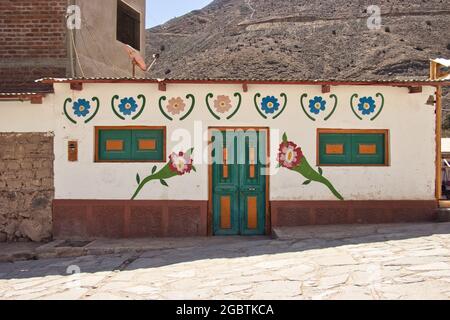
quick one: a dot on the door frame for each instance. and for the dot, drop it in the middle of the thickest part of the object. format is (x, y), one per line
(268, 216)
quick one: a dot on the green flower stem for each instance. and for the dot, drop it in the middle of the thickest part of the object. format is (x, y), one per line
(164, 173)
(309, 173)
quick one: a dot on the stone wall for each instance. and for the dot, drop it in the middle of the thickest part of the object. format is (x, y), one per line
(26, 186)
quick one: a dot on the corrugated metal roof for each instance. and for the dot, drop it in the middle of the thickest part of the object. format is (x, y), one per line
(441, 61)
(418, 81)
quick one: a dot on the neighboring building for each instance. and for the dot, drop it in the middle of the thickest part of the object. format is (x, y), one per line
(368, 155)
(36, 42)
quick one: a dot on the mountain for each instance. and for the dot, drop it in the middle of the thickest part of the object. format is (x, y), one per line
(303, 39)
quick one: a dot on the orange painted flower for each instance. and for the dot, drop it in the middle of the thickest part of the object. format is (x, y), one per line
(176, 106)
(223, 104)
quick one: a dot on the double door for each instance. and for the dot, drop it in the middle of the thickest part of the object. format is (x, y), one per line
(239, 182)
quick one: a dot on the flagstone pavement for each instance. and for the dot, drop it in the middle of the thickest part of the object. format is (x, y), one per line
(412, 262)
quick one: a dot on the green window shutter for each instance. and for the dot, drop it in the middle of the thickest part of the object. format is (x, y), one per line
(114, 145)
(352, 149)
(148, 145)
(335, 149)
(368, 149)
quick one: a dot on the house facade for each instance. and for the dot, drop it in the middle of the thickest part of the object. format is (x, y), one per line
(198, 157)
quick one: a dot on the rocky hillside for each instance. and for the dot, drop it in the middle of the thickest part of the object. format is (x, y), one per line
(302, 39)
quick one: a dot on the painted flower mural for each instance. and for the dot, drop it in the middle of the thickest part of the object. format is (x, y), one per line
(222, 104)
(270, 106)
(176, 106)
(179, 164)
(128, 106)
(81, 107)
(291, 157)
(317, 105)
(367, 106)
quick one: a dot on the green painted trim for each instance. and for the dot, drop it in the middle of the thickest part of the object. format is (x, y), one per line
(258, 95)
(334, 108)
(379, 95)
(210, 96)
(284, 106)
(164, 98)
(239, 96)
(353, 107)
(144, 100)
(94, 99)
(114, 98)
(189, 96)
(68, 100)
(305, 95)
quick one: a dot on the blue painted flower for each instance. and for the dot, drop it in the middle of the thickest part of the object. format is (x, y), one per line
(317, 105)
(366, 105)
(127, 106)
(270, 105)
(81, 107)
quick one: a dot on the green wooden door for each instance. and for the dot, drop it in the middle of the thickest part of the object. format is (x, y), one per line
(239, 184)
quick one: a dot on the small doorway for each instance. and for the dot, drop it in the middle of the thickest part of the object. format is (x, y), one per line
(239, 181)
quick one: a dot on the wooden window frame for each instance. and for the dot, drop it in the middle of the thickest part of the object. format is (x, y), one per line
(97, 147)
(386, 133)
(135, 15)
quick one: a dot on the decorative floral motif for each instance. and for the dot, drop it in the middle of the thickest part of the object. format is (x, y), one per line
(176, 106)
(81, 108)
(366, 105)
(317, 105)
(270, 105)
(290, 155)
(223, 104)
(128, 106)
(292, 158)
(180, 163)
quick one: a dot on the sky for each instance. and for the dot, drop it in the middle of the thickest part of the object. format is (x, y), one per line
(160, 11)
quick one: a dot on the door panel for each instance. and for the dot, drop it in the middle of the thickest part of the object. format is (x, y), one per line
(239, 185)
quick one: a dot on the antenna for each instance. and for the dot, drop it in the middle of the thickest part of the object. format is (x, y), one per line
(136, 59)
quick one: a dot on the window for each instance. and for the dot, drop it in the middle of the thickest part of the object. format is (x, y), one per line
(340, 147)
(130, 144)
(128, 25)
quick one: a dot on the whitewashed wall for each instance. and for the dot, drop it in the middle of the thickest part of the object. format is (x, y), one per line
(410, 176)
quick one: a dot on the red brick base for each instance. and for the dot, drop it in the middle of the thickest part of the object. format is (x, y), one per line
(303, 213)
(92, 219)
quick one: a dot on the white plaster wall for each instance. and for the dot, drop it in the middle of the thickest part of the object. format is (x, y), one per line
(22, 117)
(411, 174)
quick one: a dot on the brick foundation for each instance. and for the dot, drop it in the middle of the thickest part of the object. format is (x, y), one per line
(26, 186)
(303, 213)
(93, 219)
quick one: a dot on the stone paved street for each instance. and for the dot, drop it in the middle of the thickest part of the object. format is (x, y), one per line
(411, 263)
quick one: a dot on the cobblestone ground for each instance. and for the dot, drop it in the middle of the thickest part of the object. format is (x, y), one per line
(371, 267)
